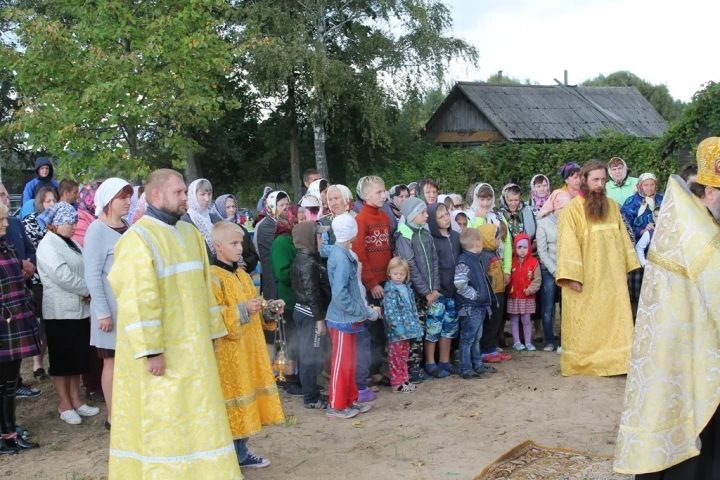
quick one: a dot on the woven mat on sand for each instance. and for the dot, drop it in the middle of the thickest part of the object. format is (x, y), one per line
(528, 461)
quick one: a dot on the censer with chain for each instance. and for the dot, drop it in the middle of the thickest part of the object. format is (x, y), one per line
(280, 358)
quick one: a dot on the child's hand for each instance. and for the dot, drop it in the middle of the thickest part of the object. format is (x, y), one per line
(253, 306)
(379, 311)
(432, 296)
(320, 328)
(507, 279)
(526, 292)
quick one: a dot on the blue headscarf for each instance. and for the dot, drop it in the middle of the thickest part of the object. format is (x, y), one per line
(62, 213)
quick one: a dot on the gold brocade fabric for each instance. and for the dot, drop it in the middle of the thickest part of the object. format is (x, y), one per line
(528, 461)
(597, 324)
(246, 377)
(673, 386)
(172, 426)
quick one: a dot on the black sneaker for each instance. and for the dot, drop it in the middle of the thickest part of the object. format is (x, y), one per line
(419, 375)
(26, 392)
(294, 390)
(319, 405)
(251, 461)
(471, 376)
(40, 374)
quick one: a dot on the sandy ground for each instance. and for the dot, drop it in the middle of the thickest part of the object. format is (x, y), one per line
(449, 428)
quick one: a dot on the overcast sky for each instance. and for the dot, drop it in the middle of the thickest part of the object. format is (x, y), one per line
(662, 41)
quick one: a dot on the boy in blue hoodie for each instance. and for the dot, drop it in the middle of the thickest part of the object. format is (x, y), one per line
(447, 245)
(414, 243)
(43, 178)
(474, 299)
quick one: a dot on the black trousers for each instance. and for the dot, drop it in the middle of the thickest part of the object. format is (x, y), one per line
(705, 466)
(9, 373)
(492, 325)
(378, 340)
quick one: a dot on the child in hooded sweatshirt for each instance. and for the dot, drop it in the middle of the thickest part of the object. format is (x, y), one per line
(492, 263)
(525, 281)
(447, 244)
(415, 244)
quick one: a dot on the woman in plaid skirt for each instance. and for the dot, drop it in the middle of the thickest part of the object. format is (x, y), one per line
(19, 338)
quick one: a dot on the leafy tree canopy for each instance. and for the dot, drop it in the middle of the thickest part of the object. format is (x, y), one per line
(109, 85)
(658, 95)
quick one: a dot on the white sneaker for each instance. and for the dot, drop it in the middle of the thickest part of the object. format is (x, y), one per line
(71, 417)
(86, 411)
(559, 350)
(549, 348)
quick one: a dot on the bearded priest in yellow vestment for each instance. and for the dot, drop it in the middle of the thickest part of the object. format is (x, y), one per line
(670, 426)
(594, 256)
(169, 417)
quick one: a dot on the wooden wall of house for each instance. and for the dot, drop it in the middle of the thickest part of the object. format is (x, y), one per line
(461, 116)
(462, 122)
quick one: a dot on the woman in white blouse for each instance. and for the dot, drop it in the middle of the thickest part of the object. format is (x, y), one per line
(66, 309)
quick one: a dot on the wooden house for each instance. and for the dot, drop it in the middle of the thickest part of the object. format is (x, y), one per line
(475, 113)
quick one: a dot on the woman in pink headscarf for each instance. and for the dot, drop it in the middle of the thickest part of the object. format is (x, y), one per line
(546, 238)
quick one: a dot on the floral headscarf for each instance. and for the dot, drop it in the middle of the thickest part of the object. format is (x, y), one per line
(514, 219)
(140, 209)
(62, 213)
(199, 216)
(86, 198)
(284, 223)
(536, 201)
(271, 202)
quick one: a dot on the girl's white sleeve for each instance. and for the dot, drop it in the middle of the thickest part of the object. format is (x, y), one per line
(641, 246)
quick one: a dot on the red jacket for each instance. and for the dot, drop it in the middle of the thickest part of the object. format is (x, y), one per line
(372, 245)
(524, 275)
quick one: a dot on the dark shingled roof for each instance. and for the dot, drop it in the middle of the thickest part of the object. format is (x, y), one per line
(559, 112)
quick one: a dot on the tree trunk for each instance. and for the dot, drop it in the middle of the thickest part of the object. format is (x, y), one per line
(294, 143)
(318, 119)
(192, 167)
(319, 131)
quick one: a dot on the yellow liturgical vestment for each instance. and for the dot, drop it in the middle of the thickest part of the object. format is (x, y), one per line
(246, 376)
(597, 324)
(172, 426)
(673, 386)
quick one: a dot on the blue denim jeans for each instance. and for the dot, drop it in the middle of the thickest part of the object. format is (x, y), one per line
(311, 356)
(241, 449)
(548, 295)
(470, 334)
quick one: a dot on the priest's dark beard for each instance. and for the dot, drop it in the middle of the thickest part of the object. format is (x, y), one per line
(597, 205)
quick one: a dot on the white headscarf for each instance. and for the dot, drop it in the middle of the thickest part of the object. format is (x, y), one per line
(106, 192)
(200, 217)
(313, 197)
(345, 193)
(271, 202)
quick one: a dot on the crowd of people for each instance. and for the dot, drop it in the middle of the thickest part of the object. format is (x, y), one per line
(389, 288)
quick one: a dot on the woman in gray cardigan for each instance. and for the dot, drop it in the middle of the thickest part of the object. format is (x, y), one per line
(112, 203)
